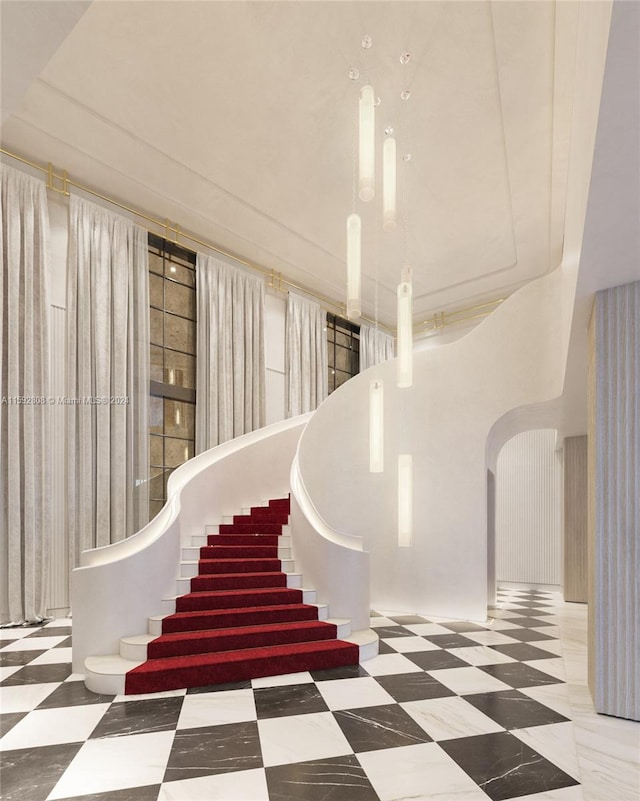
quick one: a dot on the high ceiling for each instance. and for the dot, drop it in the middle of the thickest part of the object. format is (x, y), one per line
(237, 120)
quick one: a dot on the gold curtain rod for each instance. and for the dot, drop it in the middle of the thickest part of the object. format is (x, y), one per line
(61, 182)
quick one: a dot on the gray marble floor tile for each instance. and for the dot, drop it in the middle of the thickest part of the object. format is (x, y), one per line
(139, 717)
(515, 674)
(513, 709)
(214, 749)
(296, 699)
(29, 774)
(413, 686)
(376, 727)
(334, 779)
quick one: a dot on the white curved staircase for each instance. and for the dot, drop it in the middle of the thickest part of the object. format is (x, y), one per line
(240, 612)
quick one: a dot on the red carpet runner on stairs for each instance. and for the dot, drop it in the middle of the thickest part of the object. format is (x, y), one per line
(240, 620)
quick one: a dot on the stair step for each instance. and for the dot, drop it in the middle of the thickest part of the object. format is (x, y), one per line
(250, 527)
(226, 618)
(237, 540)
(240, 552)
(232, 599)
(215, 641)
(204, 669)
(239, 565)
(135, 646)
(214, 528)
(237, 581)
(281, 504)
(262, 515)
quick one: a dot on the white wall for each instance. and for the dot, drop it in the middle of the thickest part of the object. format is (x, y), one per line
(529, 510)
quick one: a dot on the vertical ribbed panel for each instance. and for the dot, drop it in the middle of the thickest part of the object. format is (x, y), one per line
(529, 510)
(575, 584)
(614, 598)
(59, 547)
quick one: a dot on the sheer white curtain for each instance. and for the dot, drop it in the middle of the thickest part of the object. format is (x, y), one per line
(108, 377)
(231, 376)
(306, 355)
(24, 420)
(375, 347)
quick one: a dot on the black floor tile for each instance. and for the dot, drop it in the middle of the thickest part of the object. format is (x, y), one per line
(373, 613)
(376, 727)
(460, 626)
(29, 774)
(66, 643)
(528, 635)
(346, 672)
(523, 652)
(139, 717)
(388, 632)
(296, 699)
(217, 688)
(54, 631)
(214, 749)
(9, 720)
(437, 660)
(147, 793)
(528, 622)
(514, 710)
(38, 674)
(538, 612)
(409, 620)
(12, 658)
(515, 674)
(452, 640)
(504, 767)
(336, 779)
(385, 648)
(73, 693)
(414, 686)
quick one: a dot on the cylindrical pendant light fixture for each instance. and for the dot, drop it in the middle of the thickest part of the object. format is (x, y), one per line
(389, 184)
(366, 183)
(405, 499)
(354, 258)
(405, 335)
(376, 426)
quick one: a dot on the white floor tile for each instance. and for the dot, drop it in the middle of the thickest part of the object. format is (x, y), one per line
(427, 629)
(9, 670)
(420, 773)
(75, 677)
(301, 738)
(465, 681)
(554, 667)
(26, 697)
(15, 633)
(504, 625)
(446, 718)
(246, 785)
(555, 696)
(481, 655)
(379, 622)
(53, 726)
(552, 646)
(490, 637)
(114, 763)
(54, 656)
(34, 644)
(556, 742)
(411, 645)
(390, 664)
(353, 693)
(282, 681)
(217, 708)
(59, 622)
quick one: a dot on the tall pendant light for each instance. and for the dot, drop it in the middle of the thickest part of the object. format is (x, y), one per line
(366, 182)
(405, 499)
(405, 330)
(376, 426)
(354, 258)
(389, 182)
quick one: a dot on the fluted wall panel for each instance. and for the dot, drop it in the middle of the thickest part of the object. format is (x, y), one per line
(575, 584)
(614, 516)
(59, 547)
(529, 510)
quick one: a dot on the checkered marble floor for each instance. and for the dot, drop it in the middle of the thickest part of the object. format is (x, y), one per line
(448, 710)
